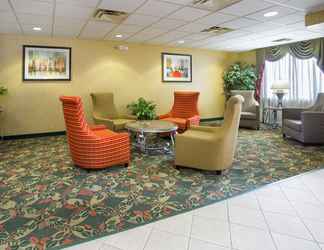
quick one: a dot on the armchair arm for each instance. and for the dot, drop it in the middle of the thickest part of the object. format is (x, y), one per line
(164, 116)
(109, 123)
(129, 117)
(97, 127)
(195, 120)
(292, 113)
(313, 126)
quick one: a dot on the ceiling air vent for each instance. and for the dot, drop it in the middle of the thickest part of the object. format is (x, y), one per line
(282, 40)
(213, 4)
(110, 15)
(216, 30)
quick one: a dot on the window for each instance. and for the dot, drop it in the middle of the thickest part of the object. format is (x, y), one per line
(305, 78)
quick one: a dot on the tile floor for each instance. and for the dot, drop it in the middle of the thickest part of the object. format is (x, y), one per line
(288, 215)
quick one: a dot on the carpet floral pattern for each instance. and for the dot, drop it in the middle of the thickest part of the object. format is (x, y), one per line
(47, 203)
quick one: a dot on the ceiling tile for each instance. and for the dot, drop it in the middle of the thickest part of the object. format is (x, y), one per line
(216, 19)
(193, 27)
(128, 28)
(121, 5)
(67, 31)
(290, 19)
(97, 30)
(282, 12)
(197, 36)
(112, 36)
(46, 30)
(169, 24)
(240, 23)
(83, 3)
(4, 6)
(73, 11)
(34, 19)
(305, 4)
(137, 19)
(145, 35)
(9, 28)
(189, 14)
(169, 37)
(262, 27)
(155, 8)
(246, 7)
(7, 17)
(33, 7)
(182, 2)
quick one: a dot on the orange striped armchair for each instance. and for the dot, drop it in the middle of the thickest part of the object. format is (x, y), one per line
(92, 147)
(184, 111)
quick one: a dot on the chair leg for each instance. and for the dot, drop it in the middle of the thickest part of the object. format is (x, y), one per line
(218, 172)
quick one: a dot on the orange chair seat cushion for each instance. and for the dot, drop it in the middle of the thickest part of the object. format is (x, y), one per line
(104, 133)
(182, 123)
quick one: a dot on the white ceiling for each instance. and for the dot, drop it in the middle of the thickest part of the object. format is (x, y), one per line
(164, 21)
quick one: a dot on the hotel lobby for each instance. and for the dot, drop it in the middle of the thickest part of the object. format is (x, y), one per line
(162, 124)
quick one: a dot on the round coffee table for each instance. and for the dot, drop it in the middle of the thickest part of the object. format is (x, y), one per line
(143, 129)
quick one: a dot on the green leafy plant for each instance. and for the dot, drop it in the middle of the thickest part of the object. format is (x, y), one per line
(142, 109)
(3, 90)
(240, 76)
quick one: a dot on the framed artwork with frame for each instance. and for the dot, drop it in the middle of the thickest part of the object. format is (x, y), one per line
(176, 68)
(44, 63)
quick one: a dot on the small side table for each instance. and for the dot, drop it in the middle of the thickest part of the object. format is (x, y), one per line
(271, 116)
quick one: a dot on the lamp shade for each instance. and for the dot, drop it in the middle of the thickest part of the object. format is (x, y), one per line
(280, 85)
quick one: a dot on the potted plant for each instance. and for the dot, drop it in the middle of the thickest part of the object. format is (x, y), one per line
(239, 76)
(3, 91)
(142, 109)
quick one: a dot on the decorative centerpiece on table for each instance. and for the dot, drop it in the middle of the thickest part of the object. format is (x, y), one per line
(143, 109)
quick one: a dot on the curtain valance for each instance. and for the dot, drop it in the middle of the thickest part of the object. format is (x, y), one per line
(301, 50)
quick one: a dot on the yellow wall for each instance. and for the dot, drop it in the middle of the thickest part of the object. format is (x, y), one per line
(33, 107)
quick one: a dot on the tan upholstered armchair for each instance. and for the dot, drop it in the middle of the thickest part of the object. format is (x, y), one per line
(210, 148)
(305, 125)
(250, 115)
(105, 112)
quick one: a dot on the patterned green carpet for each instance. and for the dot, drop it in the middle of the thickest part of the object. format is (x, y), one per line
(46, 203)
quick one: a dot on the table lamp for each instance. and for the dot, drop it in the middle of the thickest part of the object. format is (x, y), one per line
(280, 89)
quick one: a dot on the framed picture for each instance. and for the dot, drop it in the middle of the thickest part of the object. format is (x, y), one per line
(176, 68)
(42, 63)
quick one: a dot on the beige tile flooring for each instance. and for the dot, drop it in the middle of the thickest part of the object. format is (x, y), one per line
(288, 215)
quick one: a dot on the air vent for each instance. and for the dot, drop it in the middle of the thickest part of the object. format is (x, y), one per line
(282, 40)
(216, 30)
(110, 15)
(213, 4)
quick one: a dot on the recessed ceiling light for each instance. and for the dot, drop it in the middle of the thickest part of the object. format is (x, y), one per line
(119, 36)
(271, 14)
(37, 28)
(181, 42)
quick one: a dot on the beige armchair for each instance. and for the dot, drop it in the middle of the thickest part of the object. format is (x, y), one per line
(210, 148)
(250, 115)
(105, 112)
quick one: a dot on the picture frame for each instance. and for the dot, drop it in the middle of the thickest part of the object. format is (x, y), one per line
(176, 68)
(47, 63)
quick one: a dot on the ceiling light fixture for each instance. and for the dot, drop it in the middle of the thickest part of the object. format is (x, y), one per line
(37, 28)
(181, 42)
(271, 14)
(119, 36)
